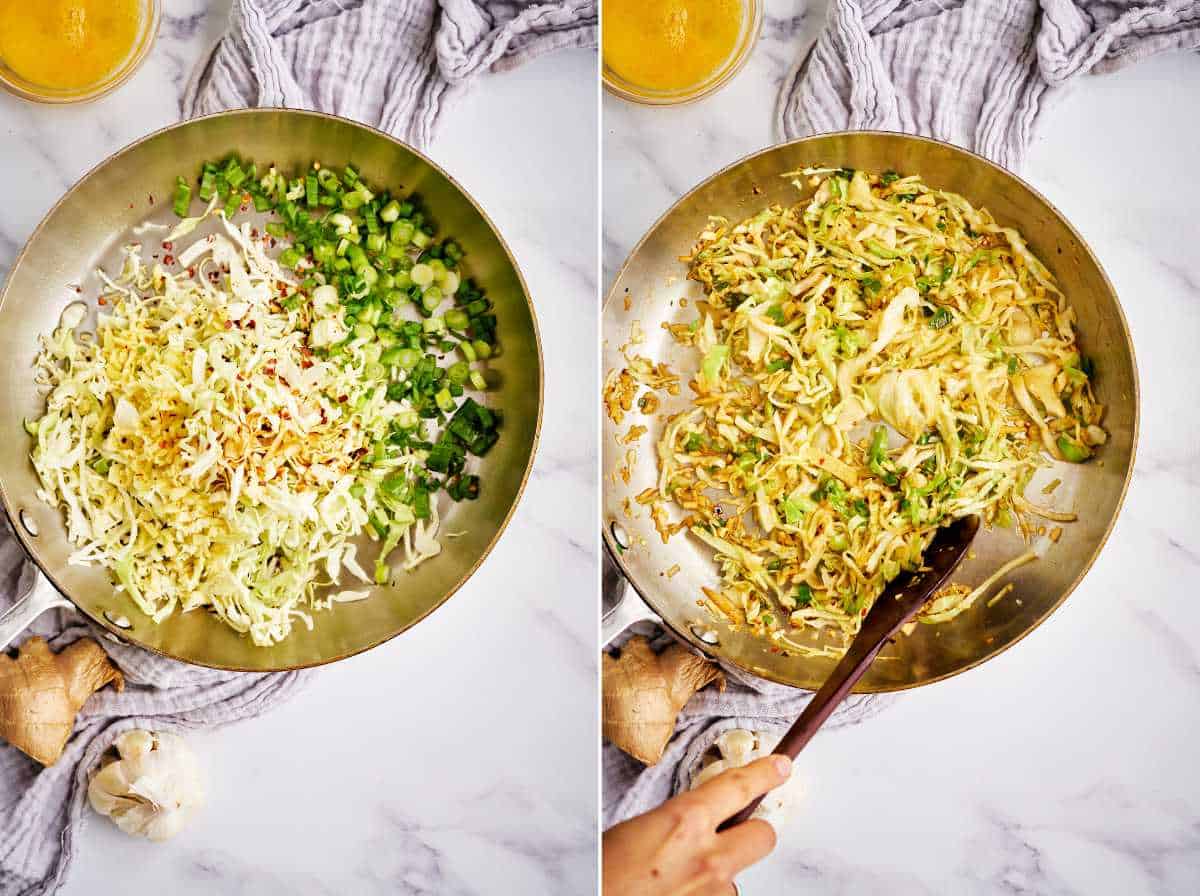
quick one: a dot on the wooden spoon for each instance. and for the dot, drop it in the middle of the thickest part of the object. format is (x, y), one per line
(900, 602)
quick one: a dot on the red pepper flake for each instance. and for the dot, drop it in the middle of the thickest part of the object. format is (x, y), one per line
(168, 259)
(102, 301)
(192, 272)
(343, 398)
(167, 245)
(150, 197)
(229, 326)
(251, 325)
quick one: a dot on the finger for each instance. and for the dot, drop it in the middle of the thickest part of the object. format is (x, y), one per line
(734, 789)
(748, 843)
(713, 872)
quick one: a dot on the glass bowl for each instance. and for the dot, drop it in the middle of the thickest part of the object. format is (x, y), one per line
(149, 14)
(752, 16)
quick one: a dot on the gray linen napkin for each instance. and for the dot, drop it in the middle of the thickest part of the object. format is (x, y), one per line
(40, 809)
(976, 73)
(631, 788)
(395, 64)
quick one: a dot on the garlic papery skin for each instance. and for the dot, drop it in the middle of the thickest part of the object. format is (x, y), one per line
(152, 788)
(738, 747)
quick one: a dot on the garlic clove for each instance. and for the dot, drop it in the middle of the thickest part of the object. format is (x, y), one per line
(152, 790)
(133, 744)
(737, 745)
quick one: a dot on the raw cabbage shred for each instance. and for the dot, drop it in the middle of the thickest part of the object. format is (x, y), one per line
(873, 362)
(205, 454)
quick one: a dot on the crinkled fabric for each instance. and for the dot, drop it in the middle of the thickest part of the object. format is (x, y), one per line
(394, 64)
(975, 73)
(41, 809)
(631, 788)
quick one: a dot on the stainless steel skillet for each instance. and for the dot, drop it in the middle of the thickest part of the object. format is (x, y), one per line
(88, 227)
(647, 293)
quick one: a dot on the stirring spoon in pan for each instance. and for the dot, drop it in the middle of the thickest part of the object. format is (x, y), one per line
(899, 603)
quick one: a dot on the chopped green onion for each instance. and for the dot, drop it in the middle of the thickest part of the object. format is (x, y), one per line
(390, 212)
(710, 369)
(208, 185)
(182, 198)
(422, 275)
(1073, 452)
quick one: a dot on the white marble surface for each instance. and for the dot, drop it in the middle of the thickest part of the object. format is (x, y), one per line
(433, 764)
(1066, 765)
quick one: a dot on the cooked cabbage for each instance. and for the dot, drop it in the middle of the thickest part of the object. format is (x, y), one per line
(873, 363)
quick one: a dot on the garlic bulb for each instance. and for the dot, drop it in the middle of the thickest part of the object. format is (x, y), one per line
(737, 747)
(152, 788)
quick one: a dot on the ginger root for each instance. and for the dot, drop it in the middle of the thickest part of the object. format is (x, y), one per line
(42, 692)
(644, 692)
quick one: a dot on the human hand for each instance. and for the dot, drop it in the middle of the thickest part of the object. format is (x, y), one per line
(675, 850)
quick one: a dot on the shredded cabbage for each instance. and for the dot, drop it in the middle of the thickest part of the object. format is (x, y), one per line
(206, 455)
(873, 363)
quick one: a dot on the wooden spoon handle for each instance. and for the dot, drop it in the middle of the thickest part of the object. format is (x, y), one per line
(900, 602)
(845, 675)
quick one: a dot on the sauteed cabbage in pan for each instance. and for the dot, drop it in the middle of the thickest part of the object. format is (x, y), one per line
(872, 363)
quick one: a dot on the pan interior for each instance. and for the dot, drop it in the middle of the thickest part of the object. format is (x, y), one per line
(649, 292)
(89, 227)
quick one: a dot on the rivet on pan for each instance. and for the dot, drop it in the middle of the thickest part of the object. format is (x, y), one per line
(707, 635)
(29, 523)
(119, 621)
(619, 535)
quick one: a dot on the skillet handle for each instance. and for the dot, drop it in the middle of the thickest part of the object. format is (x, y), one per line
(41, 597)
(631, 609)
(621, 606)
